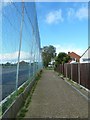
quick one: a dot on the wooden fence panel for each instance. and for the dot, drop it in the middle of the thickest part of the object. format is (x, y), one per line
(88, 73)
(61, 66)
(57, 68)
(69, 71)
(83, 75)
(65, 69)
(72, 71)
(75, 72)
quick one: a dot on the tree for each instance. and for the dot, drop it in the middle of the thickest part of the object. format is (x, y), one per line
(7, 64)
(48, 53)
(62, 58)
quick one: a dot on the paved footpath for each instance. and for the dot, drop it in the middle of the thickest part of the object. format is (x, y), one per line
(53, 97)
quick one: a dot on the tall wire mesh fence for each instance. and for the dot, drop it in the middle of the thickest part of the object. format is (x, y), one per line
(21, 53)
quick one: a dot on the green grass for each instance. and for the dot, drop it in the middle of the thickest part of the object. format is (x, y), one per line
(24, 108)
(71, 82)
(74, 84)
(50, 68)
(9, 101)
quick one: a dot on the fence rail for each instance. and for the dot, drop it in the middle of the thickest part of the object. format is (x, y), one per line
(79, 72)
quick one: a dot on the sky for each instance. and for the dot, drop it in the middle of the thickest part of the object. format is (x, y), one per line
(64, 25)
(61, 24)
(12, 32)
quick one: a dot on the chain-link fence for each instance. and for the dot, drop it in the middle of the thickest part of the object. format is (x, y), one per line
(20, 52)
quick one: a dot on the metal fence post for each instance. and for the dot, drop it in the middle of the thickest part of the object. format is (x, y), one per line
(20, 45)
(1, 90)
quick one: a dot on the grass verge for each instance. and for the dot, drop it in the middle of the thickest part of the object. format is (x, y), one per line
(9, 101)
(24, 108)
(74, 84)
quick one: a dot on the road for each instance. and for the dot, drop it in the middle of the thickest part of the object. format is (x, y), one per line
(54, 98)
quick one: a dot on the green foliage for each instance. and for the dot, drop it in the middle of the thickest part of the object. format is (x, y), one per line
(48, 52)
(13, 97)
(24, 108)
(62, 58)
(9, 101)
(0, 111)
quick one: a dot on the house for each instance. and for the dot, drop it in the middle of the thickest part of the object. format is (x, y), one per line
(74, 57)
(51, 64)
(85, 58)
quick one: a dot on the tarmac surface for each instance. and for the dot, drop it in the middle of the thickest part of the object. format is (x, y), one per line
(54, 98)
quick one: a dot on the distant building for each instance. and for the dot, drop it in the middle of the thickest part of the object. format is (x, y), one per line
(85, 58)
(51, 64)
(74, 57)
(23, 63)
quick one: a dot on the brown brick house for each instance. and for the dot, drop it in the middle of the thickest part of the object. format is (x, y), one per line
(74, 57)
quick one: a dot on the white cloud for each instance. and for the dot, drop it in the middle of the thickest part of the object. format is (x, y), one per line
(68, 48)
(10, 57)
(54, 17)
(80, 14)
(72, 14)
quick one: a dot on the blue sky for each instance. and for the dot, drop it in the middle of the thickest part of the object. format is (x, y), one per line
(61, 24)
(64, 25)
(11, 21)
